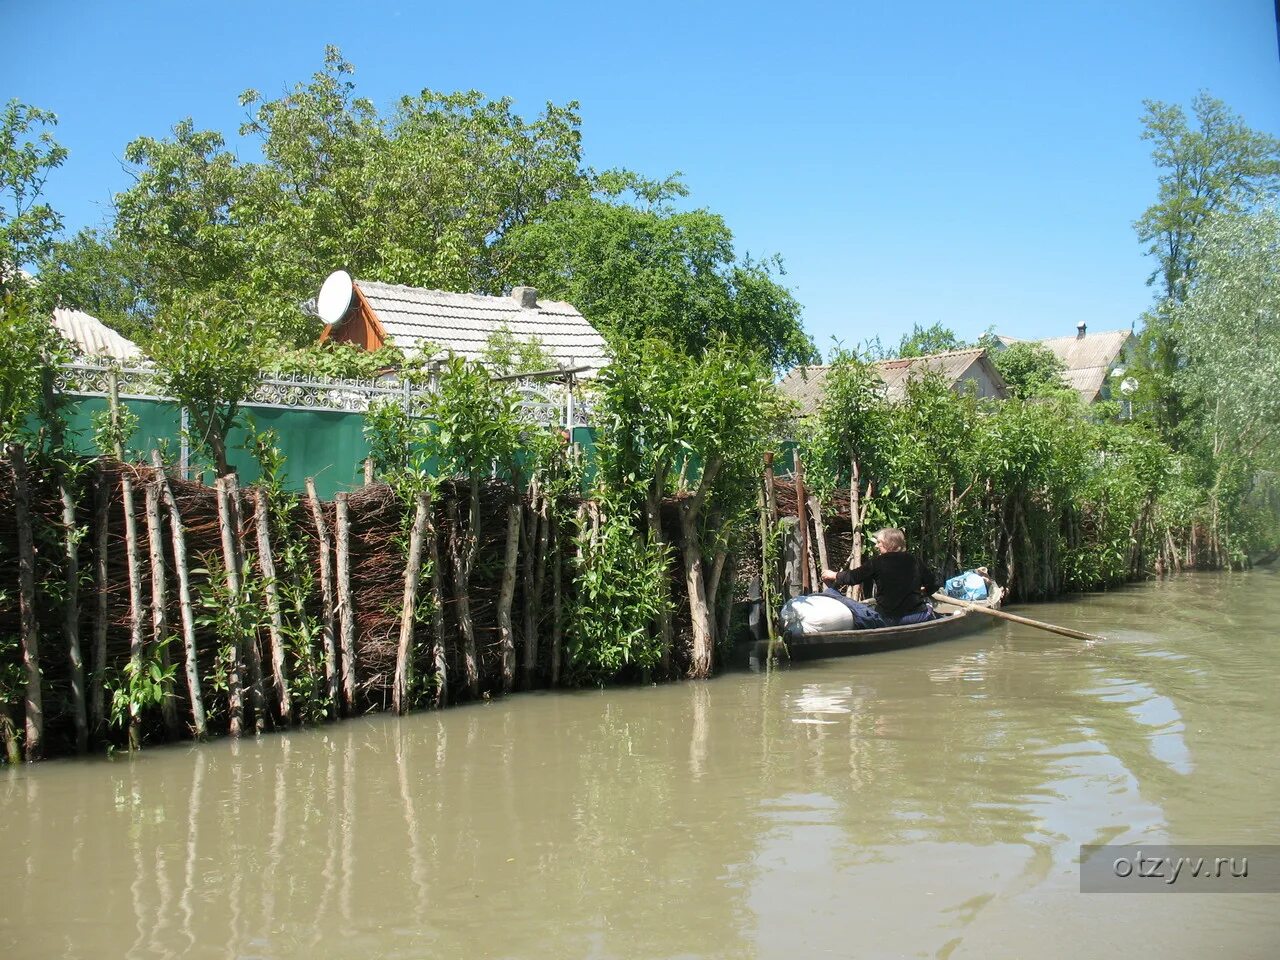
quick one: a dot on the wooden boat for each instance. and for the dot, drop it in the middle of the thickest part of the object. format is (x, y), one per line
(953, 621)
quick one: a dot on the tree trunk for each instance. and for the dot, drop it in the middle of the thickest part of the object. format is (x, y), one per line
(412, 571)
(160, 606)
(326, 585)
(703, 628)
(184, 600)
(231, 561)
(346, 606)
(506, 596)
(27, 603)
(271, 591)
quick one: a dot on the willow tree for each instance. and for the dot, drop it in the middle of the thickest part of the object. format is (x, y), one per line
(695, 428)
(475, 429)
(1230, 325)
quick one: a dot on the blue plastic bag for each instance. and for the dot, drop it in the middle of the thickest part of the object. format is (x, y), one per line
(967, 586)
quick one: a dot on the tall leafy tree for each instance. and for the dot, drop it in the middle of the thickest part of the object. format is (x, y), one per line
(421, 196)
(1229, 324)
(1212, 163)
(28, 225)
(639, 267)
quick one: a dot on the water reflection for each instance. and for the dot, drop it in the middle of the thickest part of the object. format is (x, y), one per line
(923, 799)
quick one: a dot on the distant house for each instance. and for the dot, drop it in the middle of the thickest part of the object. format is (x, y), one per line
(961, 370)
(374, 315)
(1090, 358)
(92, 339)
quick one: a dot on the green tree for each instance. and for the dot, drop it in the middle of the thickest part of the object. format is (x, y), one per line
(1029, 368)
(422, 196)
(209, 356)
(923, 341)
(1215, 165)
(638, 267)
(1229, 326)
(28, 225)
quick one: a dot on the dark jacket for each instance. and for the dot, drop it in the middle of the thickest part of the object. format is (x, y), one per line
(898, 577)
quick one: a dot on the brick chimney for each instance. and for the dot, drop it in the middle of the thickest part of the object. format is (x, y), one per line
(1080, 328)
(527, 297)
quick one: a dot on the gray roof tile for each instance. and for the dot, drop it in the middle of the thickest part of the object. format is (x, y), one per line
(463, 322)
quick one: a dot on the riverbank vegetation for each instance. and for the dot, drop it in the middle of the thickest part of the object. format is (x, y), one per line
(486, 552)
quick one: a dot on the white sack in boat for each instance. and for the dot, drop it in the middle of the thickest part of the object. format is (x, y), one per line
(815, 614)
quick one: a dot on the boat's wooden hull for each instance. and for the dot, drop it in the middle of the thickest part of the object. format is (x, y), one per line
(957, 623)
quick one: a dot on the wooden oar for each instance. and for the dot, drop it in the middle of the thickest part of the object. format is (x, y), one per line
(1013, 617)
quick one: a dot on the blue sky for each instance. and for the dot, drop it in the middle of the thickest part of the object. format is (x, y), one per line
(975, 164)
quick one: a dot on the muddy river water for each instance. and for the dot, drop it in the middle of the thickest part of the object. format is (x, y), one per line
(926, 803)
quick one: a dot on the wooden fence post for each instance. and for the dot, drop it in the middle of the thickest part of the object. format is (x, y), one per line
(326, 589)
(346, 609)
(439, 662)
(231, 560)
(275, 625)
(506, 595)
(184, 598)
(30, 631)
(101, 547)
(159, 604)
(412, 570)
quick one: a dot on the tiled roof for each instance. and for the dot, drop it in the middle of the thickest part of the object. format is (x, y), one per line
(90, 337)
(805, 385)
(461, 323)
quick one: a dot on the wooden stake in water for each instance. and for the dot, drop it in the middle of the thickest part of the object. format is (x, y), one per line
(159, 605)
(346, 609)
(506, 596)
(439, 662)
(231, 561)
(271, 590)
(412, 571)
(30, 632)
(326, 590)
(101, 524)
(182, 570)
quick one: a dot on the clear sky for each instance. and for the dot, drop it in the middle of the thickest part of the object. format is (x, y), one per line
(977, 164)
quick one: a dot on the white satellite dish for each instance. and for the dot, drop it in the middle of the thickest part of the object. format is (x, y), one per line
(1128, 386)
(335, 296)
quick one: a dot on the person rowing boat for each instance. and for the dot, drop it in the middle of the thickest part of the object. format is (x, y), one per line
(902, 580)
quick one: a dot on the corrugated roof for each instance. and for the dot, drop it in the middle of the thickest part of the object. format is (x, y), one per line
(805, 385)
(461, 323)
(1091, 350)
(1088, 359)
(91, 337)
